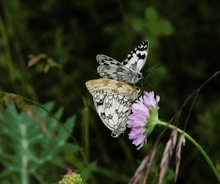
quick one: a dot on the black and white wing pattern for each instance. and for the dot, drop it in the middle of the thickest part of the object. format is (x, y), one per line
(113, 101)
(127, 70)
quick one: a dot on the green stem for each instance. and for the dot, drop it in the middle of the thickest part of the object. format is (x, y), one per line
(197, 146)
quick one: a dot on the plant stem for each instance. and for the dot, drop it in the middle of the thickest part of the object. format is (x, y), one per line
(197, 146)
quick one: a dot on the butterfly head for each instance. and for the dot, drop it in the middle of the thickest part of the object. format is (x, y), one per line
(138, 76)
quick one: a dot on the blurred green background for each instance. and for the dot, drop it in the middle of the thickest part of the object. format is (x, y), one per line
(64, 38)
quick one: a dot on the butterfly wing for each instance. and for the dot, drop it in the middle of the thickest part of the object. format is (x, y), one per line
(129, 69)
(136, 59)
(113, 109)
(113, 69)
(113, 101)
(109, 85)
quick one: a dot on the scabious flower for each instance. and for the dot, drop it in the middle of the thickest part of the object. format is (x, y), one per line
(71, 178)
(143, 119)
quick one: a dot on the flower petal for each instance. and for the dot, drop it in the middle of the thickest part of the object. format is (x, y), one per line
(141, 115)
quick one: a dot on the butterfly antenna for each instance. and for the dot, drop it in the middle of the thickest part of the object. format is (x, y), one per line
(142, 82)
(158, 66)
(142, 85)
(148, 73)
(149, 70)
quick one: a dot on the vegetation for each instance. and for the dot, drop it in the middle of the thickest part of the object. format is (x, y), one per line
(47, 53)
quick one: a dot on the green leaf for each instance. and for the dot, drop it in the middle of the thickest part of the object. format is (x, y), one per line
(30, 138)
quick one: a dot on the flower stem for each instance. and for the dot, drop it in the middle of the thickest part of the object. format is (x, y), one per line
(195, 144)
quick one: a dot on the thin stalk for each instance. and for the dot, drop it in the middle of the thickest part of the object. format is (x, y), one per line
(195, 144)
(85, 115)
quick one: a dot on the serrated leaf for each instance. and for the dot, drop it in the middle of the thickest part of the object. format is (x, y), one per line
(24, 144)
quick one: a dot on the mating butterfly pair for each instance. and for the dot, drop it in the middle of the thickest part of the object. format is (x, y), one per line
(112, 95)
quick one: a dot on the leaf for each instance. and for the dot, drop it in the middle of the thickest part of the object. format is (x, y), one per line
(24, 146)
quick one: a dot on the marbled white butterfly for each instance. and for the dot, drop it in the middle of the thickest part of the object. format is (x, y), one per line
(112, 101)
(127, 70)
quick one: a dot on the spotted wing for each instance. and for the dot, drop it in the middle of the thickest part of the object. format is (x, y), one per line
(113, 109)
(136, 59)
(109, 85)
(112, 69)
(113, 101)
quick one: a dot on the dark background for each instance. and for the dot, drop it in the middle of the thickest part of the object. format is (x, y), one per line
(184, 41)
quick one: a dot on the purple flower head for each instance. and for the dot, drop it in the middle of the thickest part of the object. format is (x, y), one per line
(143, 119)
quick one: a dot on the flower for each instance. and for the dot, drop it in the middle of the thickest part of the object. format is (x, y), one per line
(143, 119)
(69, 171)
(71, 178)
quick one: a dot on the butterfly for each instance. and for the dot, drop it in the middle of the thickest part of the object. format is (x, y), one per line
(127, 70)
(112, 100)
